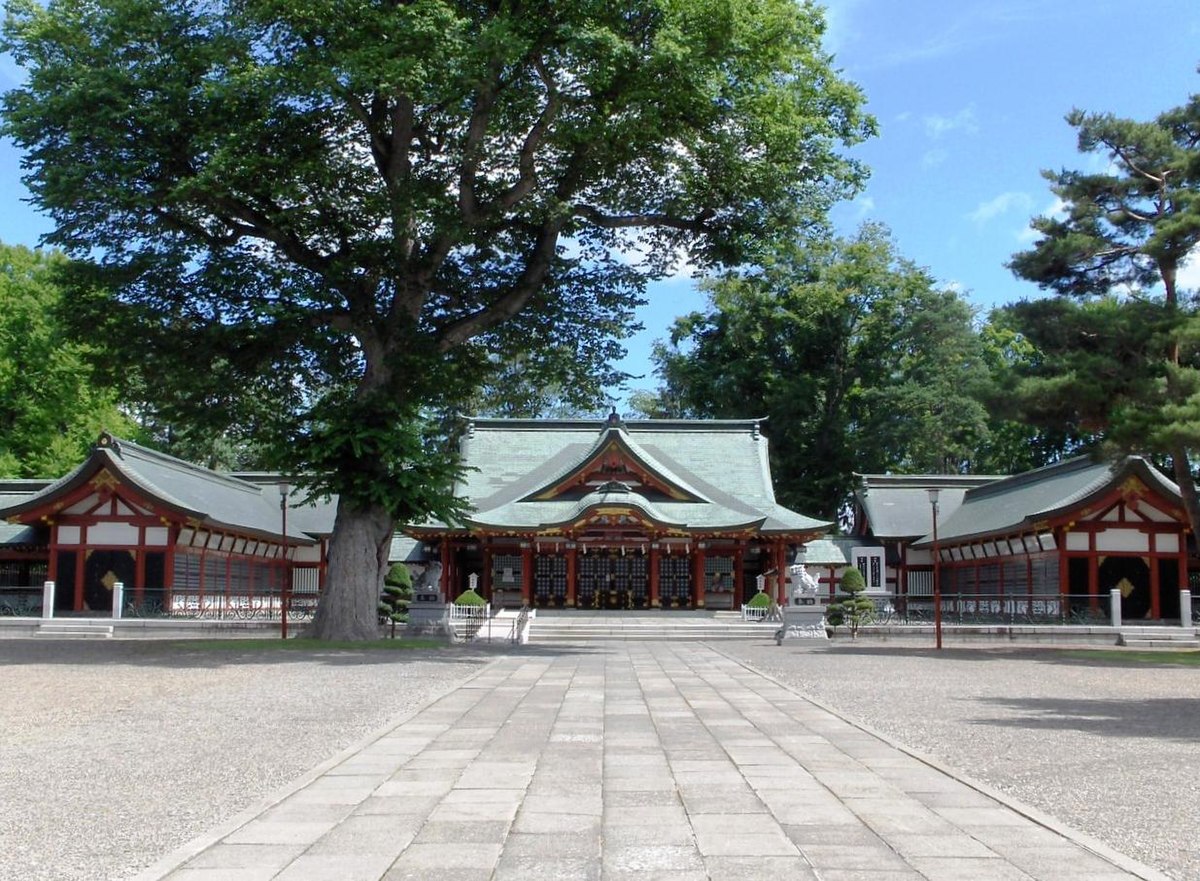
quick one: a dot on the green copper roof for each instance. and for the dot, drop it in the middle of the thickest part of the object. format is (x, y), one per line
(1017, 503)
(721, 466)
(215, 500)
(897, 505)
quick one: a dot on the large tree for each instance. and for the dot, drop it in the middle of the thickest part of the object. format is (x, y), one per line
(856, 356)
(351, 210)
(52, 405)
(1119, 244)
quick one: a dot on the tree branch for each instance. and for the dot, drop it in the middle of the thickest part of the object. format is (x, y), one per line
(699, 223)
(509, 304)
(527, 178)
(472, 151)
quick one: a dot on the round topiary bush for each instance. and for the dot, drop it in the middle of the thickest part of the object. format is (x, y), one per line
(852, 580)
(469, 598)
(759, 601)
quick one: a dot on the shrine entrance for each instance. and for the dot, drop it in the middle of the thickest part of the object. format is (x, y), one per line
(1130, 576)
(102, 570)
(613, 579)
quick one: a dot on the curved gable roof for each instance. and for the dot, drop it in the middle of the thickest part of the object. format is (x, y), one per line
(184, 489)
(1019, 502)
(721, 466)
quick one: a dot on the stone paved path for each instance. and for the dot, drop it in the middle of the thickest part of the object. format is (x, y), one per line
(660, 762)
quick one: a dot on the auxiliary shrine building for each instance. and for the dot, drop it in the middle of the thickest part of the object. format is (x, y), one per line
(671, 514)
(176, 535)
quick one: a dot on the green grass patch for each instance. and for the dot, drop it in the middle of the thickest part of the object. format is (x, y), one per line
(1189, 657)
(312, 645)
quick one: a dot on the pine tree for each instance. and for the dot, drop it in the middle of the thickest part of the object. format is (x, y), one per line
(852, 608)
(397, 592)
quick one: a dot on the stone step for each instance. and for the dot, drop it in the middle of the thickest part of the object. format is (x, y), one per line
(74, 630)
(1135, 642)
(541, 632)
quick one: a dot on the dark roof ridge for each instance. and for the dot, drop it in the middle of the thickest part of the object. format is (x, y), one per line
(918, 481)
(597, 424)
(1063, 466)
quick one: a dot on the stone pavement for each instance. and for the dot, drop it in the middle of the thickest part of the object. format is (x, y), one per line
(660, 762)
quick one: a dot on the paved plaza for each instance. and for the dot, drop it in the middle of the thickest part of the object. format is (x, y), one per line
(637, 760)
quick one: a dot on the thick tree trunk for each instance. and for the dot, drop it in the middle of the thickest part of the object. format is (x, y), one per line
(358, 552)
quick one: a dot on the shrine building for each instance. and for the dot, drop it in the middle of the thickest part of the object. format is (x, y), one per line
(677, 514)
(170, 532)
(1076, 529)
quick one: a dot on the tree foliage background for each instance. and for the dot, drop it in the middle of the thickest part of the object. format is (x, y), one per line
(858, 359)
(321, 221)
(53, 403)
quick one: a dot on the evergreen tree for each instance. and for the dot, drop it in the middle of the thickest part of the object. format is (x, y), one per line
(397, 593)
(857, 359)
(1129, 354)
(852, 608)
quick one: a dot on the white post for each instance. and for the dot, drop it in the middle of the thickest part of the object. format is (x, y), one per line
(118, 599)
(1114, 607)
(48, 599)
(1185, 608)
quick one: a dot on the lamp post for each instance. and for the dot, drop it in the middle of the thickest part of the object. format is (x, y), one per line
(283, 591)
(937, 566)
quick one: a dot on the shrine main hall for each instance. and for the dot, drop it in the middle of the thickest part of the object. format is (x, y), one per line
(617, 515)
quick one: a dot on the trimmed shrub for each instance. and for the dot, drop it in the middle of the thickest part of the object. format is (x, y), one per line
(852, 608)
(469, 598)
(397, 591)
(759, 601)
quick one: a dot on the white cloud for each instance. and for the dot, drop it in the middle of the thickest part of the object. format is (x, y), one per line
(935, 157)
(937, 126)
(862, 205)
(1002, 204)
(1057, 209)
(840, 30)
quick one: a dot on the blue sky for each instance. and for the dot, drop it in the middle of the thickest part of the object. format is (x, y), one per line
(970, 97)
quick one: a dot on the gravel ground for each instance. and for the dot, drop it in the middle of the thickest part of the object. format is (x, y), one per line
(113, 754)
(1110, 749)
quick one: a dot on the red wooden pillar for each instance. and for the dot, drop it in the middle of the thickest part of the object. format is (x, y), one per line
(781, 573)
(1155, 589)
(739, 556)
(655, 602)
(698, 574)
(139, 577)
(1093, 576)
(447, 560)
(527, 573)
(485, 577)
(572, 574)
(80, 557)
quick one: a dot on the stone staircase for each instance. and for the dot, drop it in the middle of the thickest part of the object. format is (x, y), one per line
(1163, 637)
(77, 628)
(581, 626)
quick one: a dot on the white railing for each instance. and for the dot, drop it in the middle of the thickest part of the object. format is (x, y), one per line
(754, 613)
(470, 613)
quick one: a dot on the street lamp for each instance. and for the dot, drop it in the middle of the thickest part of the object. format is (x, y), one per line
(937, 566)
(283, 591)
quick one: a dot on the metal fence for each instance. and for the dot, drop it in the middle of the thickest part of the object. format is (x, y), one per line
(983, 609)
(21, 601)
(268, 605)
